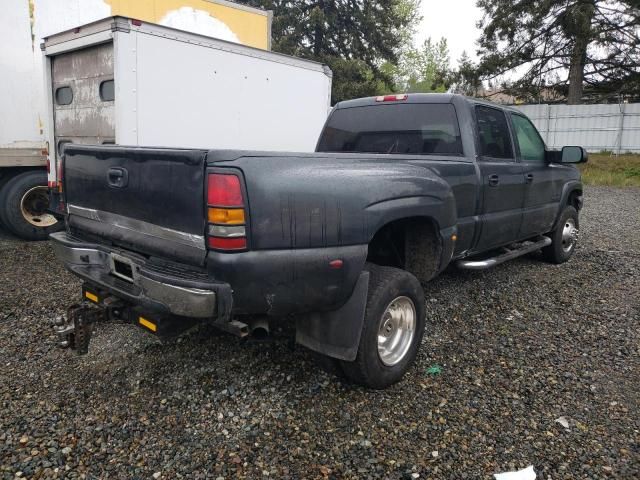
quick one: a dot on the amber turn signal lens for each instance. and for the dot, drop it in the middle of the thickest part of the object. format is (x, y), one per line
(226, 216)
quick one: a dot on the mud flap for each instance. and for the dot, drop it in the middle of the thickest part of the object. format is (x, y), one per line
(336, 333)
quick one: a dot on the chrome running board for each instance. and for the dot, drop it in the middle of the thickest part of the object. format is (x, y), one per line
(527, 247)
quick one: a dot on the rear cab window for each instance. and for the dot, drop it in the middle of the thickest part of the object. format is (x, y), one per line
(398, 128)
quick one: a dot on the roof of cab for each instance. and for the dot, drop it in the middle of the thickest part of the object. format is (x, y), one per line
(420, 98)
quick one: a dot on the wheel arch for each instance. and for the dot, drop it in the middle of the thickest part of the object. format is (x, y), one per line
(571, 195)
(7, 173)
(412, 243)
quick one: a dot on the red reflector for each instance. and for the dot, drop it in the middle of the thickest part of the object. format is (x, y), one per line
(224, 190)
(335, 264)
(392, 98)
(137, 23)
(228, 243)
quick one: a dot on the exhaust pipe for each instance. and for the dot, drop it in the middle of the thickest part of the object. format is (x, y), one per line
(259, 328)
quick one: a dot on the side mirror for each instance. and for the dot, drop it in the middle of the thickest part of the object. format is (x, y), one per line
(574, 155)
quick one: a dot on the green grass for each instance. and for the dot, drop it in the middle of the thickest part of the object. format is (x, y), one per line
(607, 169)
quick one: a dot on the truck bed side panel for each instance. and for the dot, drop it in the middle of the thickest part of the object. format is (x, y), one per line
(320, 200)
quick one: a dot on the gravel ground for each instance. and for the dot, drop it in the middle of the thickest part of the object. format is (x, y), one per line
(518, 347)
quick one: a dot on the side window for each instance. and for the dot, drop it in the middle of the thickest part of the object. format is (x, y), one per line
(107, 91)
(529, 142)
(495, 141)
(64, 95)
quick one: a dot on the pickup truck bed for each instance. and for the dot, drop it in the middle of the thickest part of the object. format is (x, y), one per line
(400, 187)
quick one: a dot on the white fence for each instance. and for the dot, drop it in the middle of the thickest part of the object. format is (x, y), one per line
(612, 127)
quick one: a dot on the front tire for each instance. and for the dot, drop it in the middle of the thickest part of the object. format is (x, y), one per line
(24, 200)
(393, 327)
(564, 238)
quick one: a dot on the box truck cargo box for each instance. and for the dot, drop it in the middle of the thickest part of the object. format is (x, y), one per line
(128, 82)
(23, 109)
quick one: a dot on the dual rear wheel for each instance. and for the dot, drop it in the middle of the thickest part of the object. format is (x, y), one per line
(24, 200)
(393, 327)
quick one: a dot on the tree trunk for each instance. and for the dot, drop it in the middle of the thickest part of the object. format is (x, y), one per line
(318, 36)
(576, 72)
(581, 16)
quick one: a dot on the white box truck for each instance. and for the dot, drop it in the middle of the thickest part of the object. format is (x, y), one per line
(127, 82)
(25, 127)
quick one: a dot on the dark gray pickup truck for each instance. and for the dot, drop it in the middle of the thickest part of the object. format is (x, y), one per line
(341, 240)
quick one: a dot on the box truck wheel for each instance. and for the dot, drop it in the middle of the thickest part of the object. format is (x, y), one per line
(24, 200)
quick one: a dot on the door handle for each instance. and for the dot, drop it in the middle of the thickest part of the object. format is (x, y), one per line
(529, 177)
(494, 180)
(117, 177)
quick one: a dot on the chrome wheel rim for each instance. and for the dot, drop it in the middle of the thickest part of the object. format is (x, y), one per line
(396, 331)
(569, 234)
(33, 206)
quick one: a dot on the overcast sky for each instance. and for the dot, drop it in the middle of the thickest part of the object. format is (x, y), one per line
(453, 19)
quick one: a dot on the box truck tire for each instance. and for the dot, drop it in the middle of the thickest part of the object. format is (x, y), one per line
(24, 200)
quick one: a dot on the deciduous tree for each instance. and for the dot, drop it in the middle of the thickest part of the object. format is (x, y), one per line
(424, 69)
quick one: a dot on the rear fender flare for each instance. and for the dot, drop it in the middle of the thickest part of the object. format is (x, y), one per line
(441, 210)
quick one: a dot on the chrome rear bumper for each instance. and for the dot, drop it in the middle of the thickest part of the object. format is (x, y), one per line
(143, 284)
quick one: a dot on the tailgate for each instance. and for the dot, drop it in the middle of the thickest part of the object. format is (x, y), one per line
(146, 199)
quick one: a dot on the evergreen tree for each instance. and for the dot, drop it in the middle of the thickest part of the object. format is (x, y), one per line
(574, 46)
(467, 78)
(355, 38)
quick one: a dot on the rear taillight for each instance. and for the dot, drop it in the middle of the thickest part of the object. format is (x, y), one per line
(224, 190)
(226, 214)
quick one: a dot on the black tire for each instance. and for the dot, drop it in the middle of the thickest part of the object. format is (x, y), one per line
(385, 285)
(11, 197)
(560, 249)
(3, 181)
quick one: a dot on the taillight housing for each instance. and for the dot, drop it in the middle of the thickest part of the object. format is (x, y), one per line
(226, 213)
